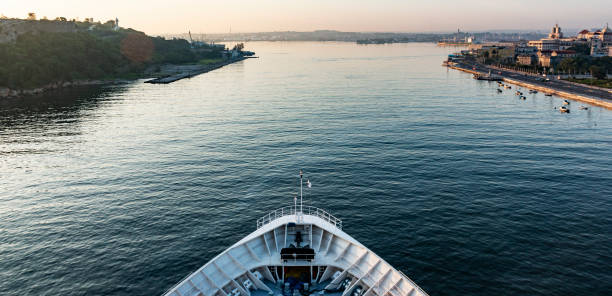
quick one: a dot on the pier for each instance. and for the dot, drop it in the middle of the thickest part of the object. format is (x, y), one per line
(487, 77)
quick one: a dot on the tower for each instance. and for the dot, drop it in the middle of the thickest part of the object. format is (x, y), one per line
(556, 32)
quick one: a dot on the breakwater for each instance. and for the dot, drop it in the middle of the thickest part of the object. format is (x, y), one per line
(542, 87)
(192, 73)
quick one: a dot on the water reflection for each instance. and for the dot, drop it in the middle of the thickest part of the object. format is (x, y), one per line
(26, 124)
(143, 186)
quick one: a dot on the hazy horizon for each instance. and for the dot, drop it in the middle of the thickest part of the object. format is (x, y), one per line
(213, 17)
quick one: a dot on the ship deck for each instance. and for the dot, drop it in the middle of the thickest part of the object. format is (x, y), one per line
(317, 289)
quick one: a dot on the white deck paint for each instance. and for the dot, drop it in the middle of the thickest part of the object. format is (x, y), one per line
(260, 249)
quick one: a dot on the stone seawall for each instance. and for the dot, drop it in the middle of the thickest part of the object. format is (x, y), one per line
(10, 29)
(568, 95)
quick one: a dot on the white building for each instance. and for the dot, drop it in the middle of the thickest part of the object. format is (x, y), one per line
(555, 41)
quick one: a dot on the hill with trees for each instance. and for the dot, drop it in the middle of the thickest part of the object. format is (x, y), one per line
(89, 51)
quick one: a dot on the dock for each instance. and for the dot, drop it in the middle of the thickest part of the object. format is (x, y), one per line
(488, 77)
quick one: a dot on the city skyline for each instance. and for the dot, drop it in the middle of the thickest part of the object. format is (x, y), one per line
(179, 16)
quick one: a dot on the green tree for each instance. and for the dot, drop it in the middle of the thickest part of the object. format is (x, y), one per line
(597, 72)
(582, 49)
(239, 47)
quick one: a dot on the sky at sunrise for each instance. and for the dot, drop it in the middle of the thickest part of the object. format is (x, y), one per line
(203, 16)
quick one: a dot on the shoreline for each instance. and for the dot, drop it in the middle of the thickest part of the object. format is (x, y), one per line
(8, 93)
(543, 87)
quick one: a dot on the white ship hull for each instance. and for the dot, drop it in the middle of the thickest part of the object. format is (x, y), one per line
(317, 258)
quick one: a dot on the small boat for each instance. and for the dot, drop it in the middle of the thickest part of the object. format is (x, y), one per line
(507, 87)
(564, 110)
(523, 98)
(518, 93)
(584, 108)
(499, 90)
(548, 95)
(566, 102)
(533, 91)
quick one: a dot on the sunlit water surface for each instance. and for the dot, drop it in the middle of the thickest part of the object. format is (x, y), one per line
(124, 190)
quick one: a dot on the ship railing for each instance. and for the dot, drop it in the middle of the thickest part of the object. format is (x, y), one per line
(306, 210)
(169, 290)
(413, 283)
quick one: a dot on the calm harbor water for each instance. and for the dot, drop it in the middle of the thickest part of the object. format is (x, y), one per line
(124, 190)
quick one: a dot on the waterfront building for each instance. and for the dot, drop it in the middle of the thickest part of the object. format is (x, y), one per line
(489, 45)
(549, 58)
(555, 41)
(564, 54)
(553, 44)
(599, 49)
(605, 35)
(584, 34)
(545, 59)
(600, 41)
(525, 59)
(523, 49)
(545, 44)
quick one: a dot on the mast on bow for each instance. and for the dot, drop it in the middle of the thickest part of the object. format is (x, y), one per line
(301, 177)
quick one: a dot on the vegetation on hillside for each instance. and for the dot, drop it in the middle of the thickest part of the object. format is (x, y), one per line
(35, 60)
(210, 61)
